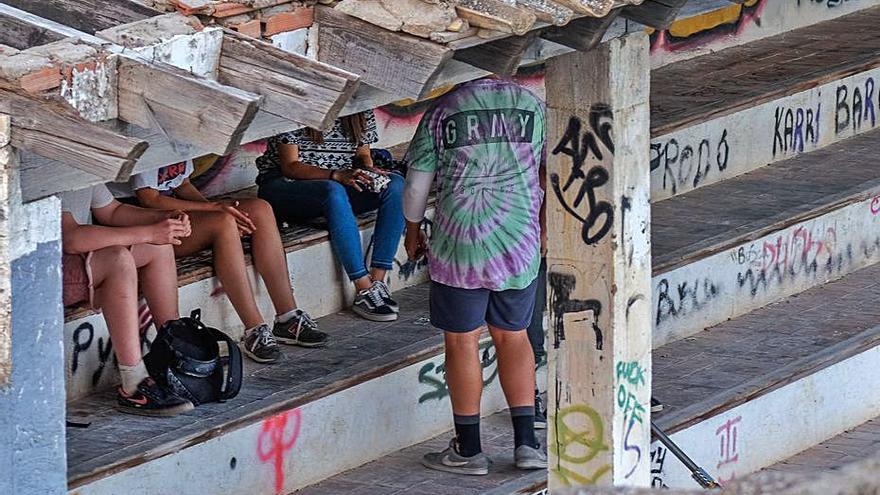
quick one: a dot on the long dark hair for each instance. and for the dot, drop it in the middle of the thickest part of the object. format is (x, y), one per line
(353, 126)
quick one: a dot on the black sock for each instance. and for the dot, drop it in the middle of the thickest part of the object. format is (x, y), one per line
(523, 426)
(467, 431)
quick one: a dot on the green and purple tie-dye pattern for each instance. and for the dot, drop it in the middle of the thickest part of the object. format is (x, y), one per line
(485, 142)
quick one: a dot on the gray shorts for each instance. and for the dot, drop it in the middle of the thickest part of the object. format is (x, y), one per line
(463, 310)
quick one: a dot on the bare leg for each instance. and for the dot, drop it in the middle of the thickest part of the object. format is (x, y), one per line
(220, 232)
(363, 283)
(378, 273)
(515, 367)
(463, 372)
(157, 272)
(114, 276)
(269, 256)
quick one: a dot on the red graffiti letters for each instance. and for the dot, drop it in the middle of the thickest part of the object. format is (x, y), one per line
(278, 436)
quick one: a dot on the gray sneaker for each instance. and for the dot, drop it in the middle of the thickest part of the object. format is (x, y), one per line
(260, 345)
(300, 330)
(451, 461)
(529, 458)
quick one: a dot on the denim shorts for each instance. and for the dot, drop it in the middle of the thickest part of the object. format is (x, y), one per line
(463, 310)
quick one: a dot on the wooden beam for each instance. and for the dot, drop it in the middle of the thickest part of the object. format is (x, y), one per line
(599, 265)
(500, 56)
(295, 88)
(548, 11)
(23, 35)
(581, 34)
(594, 8)
(185, 107)
(88, 16)
(496, 15)
(52, 130)
(658, 14)
(398, 63)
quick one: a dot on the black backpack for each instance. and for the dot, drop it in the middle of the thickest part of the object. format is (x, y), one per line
(199, 363)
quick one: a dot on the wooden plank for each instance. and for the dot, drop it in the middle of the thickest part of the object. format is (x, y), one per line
(548, 11)
(581, 34)
(655, 14)
(294, 87)
(187, 108)
(496, 15)
(23, 35)
(52, 130)
(88, 16)
(500, 57)
(400, 64)
(594, 8)
(599, 265)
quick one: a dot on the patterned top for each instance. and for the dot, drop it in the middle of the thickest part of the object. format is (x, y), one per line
(335, 153)
(485, 142)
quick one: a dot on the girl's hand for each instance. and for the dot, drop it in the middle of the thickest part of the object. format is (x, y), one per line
(352, 177)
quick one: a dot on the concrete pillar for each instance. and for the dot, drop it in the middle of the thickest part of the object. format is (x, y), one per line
(599, 265)
(32, 399)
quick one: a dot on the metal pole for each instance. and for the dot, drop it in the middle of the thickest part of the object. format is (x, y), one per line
(699, 474)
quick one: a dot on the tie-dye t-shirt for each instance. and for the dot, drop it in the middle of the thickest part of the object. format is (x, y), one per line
(485, 142)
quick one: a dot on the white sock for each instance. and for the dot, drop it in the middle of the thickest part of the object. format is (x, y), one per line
(284, 318)
(132, 376)
(249, 330)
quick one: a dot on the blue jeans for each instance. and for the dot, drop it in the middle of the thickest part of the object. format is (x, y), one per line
(303, 200)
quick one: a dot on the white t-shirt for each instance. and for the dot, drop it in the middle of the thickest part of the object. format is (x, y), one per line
(80, 203)
(162, 179)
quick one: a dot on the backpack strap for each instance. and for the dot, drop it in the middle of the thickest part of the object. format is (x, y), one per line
(231, 364)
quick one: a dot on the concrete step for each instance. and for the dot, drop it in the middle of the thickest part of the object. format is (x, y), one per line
(725, 249)
(380, 387)
(726, 113)
(321, 286)
(851, 446)
(738, 397)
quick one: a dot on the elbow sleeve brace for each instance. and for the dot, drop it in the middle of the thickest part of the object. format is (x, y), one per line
(415, 194)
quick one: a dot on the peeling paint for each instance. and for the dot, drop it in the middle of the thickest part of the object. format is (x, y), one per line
(91, 90)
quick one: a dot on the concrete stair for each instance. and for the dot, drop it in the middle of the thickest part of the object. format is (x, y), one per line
(752, 235)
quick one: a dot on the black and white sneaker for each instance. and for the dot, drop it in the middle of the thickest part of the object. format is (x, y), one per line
(300, 330)
(260, 345)
(151, 399)
(540, 414)
(370, 305)
(656, 405)
(383, 289)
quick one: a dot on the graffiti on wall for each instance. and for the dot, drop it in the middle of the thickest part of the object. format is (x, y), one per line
(689, 33)
(277, 437)
(434, 375)
(630, 381)
(728, 450)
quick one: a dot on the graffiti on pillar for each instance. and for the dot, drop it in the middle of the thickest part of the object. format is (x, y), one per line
(597, 217)
(728, 453)
(435, 375)
(630, 378)
(875, 205)
(84, 342)
(578, 436)
(561, 304)
(658, 460)
(277, 437)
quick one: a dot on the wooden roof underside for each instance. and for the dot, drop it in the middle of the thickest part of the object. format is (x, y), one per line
(96, 91)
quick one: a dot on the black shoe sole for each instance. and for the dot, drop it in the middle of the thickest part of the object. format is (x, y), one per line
(288, 341)
(257, 358)
(374, 317)
(157, 413)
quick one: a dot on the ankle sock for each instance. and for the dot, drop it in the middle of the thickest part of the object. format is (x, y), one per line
(467, 431)
(284, 318)
(249, 330)
(132, 376)
(523, 418)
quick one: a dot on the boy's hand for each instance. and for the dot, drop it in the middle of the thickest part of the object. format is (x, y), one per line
(169, 231)
(416, 243)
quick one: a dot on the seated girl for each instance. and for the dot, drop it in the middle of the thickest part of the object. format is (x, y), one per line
(307, 174)
(220, 225)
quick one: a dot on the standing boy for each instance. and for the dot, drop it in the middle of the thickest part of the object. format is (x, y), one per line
(484, 143)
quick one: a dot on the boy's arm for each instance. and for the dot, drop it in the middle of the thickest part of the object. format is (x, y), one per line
(118, 214)
(186, 197)
(78, 238)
